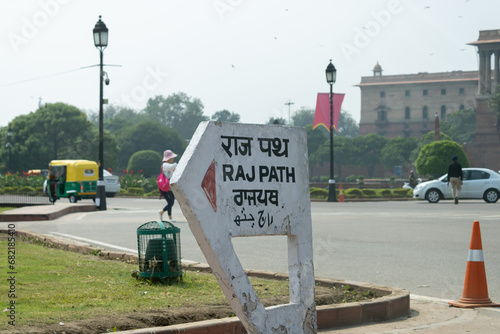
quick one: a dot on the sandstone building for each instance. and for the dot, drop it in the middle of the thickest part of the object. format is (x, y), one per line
(406, 105)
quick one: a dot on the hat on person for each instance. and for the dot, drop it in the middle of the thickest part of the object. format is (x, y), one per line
(454, 157)
(167, 155)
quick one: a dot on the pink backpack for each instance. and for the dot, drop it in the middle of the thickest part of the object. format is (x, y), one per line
(163, 182)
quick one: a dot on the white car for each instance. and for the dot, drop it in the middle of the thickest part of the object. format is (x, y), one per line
(111, 183)
(478, 183)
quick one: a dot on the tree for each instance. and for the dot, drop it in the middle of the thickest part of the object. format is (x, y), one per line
(226, 116)
(314, 139)
(148, 161)
(280, 121)
(460, 125)
(397, 151)
(343, 154)
(148, 135)
(178, 111)
(367, 151)
(347, 125)
(54, 131)
(435, 157)
(424, 140)
(303, 117)
(494, 104)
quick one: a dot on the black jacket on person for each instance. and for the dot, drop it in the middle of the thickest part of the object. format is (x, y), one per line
(454, 170)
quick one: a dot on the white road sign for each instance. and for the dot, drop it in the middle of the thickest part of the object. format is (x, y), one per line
(240, 180)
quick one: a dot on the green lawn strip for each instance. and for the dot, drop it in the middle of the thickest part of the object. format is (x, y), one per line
(5, 208)
(55, 286)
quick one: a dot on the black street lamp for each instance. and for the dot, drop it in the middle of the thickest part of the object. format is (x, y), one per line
(331, 76)
(9, 145)
(101, 42)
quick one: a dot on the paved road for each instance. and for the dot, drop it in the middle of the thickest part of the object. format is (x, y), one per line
(418, 246)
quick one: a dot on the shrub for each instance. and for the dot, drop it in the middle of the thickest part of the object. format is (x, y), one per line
(351, 178)
(400, 192)
(135, 191)
(122, 193)
(147, 161)
(353, 193)
(324, 178)
(154, 193)
(318, 193)
(9, 190)
(368, 193)
(150, 185)
(386, 193)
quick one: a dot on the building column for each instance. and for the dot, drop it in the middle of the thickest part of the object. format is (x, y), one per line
(496, 83)
(480, 87)
(488, 71)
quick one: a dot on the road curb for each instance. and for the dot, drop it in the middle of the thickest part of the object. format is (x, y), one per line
(50, 213)
(395, 304)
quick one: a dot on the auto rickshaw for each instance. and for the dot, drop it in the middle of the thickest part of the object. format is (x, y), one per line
(74, 179)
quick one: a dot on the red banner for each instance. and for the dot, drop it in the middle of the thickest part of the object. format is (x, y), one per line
(322, 113)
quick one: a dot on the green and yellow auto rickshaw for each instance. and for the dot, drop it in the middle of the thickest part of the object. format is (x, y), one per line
(74, 179)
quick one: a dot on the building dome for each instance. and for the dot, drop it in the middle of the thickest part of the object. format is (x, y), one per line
(377, 70)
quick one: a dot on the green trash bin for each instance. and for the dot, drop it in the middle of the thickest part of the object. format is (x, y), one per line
(159, 246)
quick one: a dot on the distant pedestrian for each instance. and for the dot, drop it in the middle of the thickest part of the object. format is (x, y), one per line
(412, 179)
(168, 166)
(455, 177)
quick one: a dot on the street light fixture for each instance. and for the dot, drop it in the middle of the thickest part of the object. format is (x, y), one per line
(9, 145)
(331, 77)
(101, 42)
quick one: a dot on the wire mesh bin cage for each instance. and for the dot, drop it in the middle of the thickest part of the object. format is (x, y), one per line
(159, 246)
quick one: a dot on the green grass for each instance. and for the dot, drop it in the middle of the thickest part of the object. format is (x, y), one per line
(5, 208)
(53, 285)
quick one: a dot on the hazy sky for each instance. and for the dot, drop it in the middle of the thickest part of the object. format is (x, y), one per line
(249, 57)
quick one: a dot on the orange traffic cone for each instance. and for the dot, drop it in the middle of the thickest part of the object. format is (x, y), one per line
(341, 193)
(475, 287)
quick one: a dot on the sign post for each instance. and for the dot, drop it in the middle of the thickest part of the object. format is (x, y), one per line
(243, 180)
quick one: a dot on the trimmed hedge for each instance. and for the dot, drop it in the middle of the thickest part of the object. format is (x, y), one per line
(385, 193)
(353, 193)
(318, 193)
(135, 191)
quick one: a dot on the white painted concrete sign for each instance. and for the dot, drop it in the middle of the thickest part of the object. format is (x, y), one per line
(239, 180)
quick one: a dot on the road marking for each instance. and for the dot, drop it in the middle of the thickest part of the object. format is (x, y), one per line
(90, 241)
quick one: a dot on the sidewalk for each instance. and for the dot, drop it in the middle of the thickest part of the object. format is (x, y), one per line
(431, 315)
(45, 212)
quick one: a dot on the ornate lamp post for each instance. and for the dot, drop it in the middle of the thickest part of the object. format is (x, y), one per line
(331, 76)
(9, 145)
(101, 42)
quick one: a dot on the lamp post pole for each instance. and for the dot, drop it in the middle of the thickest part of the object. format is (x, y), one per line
(289, 103)
(331, 74)
(101, 42)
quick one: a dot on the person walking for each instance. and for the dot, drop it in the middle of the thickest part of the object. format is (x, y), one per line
(455, 177)
(168, 167)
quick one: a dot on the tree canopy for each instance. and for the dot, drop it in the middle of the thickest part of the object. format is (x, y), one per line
(55, 131)
(435, 157)
(367, 150)
(460, 125)
(225, 116)
(178, 111)
(148, 135)
(397, 151)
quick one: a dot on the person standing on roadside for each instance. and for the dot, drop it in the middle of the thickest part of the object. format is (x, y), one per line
(412, 179)
(455, 177)
(168, 166)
